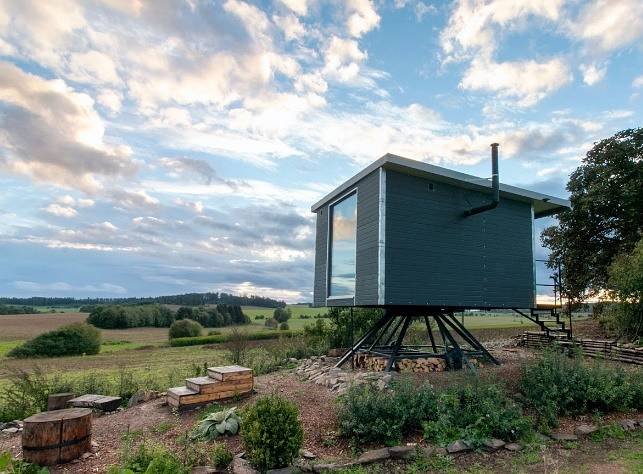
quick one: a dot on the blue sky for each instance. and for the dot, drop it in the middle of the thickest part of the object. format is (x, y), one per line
(165, 147)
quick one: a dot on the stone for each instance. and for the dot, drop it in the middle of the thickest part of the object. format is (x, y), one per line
(493, 444)
(241, 466)
(307, 454)
(402, 452)
(94, 447)
(283, 470)
(513, 447)
(373, 456)
(325, 467)
(542, 438)
(204, 470)
(11, 430)
(86, 456)
(564, 437)
(628, 425)
(584, 430)
(458, 446)
(292, 360)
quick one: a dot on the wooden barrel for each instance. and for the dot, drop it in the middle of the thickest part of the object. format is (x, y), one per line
(56, 437)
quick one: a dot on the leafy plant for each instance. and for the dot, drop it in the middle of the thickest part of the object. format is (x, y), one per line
(221, 456)
(9, 465)
(73, 339)
(218, 423)
(272, 434)
(185, 328)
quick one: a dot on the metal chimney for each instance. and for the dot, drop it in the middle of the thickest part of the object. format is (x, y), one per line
(495, 185)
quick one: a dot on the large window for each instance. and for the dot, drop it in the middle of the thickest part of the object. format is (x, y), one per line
(343, 231)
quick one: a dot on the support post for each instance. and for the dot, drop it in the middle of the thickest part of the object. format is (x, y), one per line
(468, 337)
(364, 338)
(398, 343)
(456, 351)
(430, 331)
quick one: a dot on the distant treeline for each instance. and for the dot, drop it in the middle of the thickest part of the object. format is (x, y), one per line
(155, 315)
(17, 309)
(188, 299)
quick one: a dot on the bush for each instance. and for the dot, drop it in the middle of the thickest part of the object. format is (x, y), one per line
(18, 466)
(238, 344)
(284, 327)
(259, 316)
(73, 339)
(221, 456)
(558, 385)
(185, 328)
(271, 323)
(363, 319)
(148, 458)
(475, 413)
(272, 434)
(282, 314)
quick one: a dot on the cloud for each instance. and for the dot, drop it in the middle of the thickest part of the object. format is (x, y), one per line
(61, 211)
(526, 82)
(290, 25)
(638, 82)
(68, 289)
(343, 59)
(111, 100)
(139, 199)
(300, 7)
(362, 17)
(93, 67)
(53, 134)
(608, 24)
(592, 73)
(200, 168)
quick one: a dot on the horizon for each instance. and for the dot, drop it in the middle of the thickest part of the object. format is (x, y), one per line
(163, 150)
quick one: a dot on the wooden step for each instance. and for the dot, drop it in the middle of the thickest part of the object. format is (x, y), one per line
(100, 402)
(181, 397)
(210, 385)
(230, 373)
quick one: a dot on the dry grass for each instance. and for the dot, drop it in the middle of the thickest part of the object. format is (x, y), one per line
(19, 327)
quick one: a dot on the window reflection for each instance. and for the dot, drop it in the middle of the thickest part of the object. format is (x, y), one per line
(343, 244)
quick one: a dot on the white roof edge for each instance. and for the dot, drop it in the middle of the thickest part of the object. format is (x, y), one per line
(444, 173)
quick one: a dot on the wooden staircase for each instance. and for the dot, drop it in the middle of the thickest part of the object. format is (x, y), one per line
(221, 383)
(548, 318)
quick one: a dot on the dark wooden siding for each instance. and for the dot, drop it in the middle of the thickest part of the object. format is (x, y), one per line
(367, 250)
(434, 256)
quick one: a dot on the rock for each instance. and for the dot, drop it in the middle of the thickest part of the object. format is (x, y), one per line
(283, 470)
(94, 447)
(11, 430)
(493, 444)
(402, 452)
(373, 456)
(564, 437)
(628, 425)
(513, 447)
(584, 430)
(292, 360)
(204, 470)
(307, 454)
(325, 467)
(458, 446)
(241, 466)
(86, 456)
(542, 438)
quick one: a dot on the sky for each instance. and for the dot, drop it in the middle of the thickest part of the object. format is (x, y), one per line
(167, 146)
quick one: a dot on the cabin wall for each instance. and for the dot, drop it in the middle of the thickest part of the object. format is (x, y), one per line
(435, 256)
(366, 260)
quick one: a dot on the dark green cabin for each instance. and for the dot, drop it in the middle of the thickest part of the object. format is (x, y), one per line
(396, 234)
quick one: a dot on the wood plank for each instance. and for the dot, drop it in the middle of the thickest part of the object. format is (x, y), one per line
(213, 386)
(229, 372)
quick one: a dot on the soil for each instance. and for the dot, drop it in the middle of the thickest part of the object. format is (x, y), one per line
(316, 405)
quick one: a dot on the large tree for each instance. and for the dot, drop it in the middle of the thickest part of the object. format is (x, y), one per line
(606, 218)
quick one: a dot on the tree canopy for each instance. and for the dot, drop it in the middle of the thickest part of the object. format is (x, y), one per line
(606, 218)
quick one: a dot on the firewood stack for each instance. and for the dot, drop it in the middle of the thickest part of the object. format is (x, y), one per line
(423, 365)
(370, 362)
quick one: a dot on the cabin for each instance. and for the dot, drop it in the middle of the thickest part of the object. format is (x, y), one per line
(404, 233)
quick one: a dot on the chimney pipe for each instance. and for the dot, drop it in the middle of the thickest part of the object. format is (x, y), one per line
(495, 185)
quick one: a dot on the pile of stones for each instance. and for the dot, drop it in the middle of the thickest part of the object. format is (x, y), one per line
(11, 427)
(320, 370)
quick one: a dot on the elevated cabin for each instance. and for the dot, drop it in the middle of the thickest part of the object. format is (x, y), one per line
(397, 234)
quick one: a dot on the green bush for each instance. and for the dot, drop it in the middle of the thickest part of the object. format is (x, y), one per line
(221, 456)
(284, 327)
(282, 315)
(559, 385)
(369, 415)
(475, 412)
(259, 316)
(73, 339)
(148, 458)
(272, 434)
(347, 329)
(185, 328)
(9, 465)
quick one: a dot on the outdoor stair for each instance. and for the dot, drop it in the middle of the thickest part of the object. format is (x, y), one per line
(221, 383)
(548, 318)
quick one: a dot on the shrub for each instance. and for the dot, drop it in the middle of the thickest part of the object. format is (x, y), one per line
(363, 319)
(238, 345)
(259, 316)
(185, 328)
(148, 458)
(367, 414)
(282, 314)
(284, 326)
(558, 385)
(271, 323)
(73, 339)
(221, 456)
(475, 413)
(272, 434)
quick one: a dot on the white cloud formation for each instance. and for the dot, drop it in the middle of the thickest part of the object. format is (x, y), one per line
(69, 289)
(362, 17)
(608, 24)
(290, 25)
(638, 81)
(343, 59)
(61, 211)
(526, 82)
(92, 67)
(300, 7)
(592, 73)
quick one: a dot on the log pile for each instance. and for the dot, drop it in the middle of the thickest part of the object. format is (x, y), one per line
(603, 349)
(370, 362)
(422, 365)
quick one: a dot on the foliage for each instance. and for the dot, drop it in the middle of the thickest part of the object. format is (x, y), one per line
(558, 385)
(219, 338)
(362, 320)
(475, 412)
(605, 219)
(284, 326)
(238, 345)
(148, 458)
(185, 328)
(317, 336)
(271, 323)
(272, 434)
(282, 314)
(73, 339)
(221, 456)
(4, 309)
(218, 423)
(9, 465)
(625, 285)
(367, 414)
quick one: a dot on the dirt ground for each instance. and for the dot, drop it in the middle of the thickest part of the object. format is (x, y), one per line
(316, 404)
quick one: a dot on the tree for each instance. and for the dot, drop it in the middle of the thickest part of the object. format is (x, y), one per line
(606, 193)
(282, 314)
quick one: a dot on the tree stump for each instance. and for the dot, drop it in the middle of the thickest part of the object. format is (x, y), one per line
(56, 437)
(58, 401)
